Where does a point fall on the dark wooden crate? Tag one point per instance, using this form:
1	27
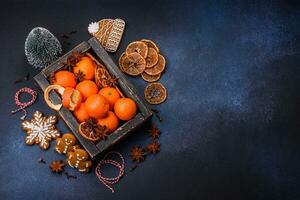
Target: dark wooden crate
97	149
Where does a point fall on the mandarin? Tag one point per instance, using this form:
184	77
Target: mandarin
71	98
86	66
111	94
96	106
110	121
65	79
87	88
81	114
125	109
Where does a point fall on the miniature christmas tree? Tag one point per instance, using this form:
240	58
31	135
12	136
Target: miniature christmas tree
41	47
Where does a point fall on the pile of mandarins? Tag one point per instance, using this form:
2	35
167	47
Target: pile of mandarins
87	100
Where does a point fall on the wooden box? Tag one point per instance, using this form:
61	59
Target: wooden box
97	149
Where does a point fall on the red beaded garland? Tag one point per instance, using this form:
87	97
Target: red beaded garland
23	105
106	180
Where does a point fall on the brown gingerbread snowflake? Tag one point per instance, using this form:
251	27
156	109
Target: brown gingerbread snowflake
40	130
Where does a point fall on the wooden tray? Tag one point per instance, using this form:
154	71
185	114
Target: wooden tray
144	113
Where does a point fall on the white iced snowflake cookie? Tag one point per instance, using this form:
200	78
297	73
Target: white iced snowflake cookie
40	130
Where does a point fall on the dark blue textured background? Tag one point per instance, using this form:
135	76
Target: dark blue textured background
230	125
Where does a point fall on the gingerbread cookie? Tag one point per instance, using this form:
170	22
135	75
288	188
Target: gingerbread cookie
79	159
108	32
40	130
66	143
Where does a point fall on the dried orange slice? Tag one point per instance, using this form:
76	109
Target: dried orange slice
152	58
121	60
151	44
158	68
150	78
155	93
100	74
92	131
134	64
137	47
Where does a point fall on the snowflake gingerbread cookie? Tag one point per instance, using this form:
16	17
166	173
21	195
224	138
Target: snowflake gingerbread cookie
40	130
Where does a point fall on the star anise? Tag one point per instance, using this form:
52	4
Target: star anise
56	166
154	132
74	58
68	65
77	56
110	80
93	131
96	130
137	154
79	76
90	124
101	132
153	147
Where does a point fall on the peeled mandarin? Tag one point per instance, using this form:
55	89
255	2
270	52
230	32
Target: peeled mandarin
71	98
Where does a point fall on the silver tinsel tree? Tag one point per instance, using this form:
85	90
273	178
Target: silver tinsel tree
41	47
